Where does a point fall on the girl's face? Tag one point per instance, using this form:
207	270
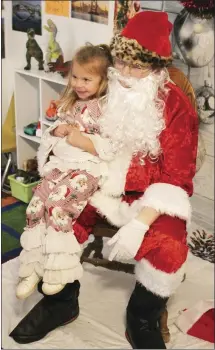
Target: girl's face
84	82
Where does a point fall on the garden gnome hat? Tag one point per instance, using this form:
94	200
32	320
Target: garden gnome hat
145	38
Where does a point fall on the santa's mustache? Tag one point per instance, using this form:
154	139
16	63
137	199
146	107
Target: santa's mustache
115	75
116	78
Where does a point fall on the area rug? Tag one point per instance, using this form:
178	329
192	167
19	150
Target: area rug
12	224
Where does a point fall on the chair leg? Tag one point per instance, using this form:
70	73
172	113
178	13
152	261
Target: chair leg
163	326
7	168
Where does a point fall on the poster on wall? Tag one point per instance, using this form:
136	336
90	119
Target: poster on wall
124	10
2	39
93	11
57	8
26	14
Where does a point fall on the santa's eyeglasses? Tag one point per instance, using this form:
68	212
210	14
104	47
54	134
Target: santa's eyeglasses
133	68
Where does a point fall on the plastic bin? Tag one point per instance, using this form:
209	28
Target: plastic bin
21	191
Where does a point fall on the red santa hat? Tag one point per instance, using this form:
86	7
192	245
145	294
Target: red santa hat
198	321
145	38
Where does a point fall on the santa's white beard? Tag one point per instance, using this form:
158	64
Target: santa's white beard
132	116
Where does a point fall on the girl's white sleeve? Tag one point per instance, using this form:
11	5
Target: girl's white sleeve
102	146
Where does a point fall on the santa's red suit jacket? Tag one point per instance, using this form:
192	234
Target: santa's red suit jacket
165	185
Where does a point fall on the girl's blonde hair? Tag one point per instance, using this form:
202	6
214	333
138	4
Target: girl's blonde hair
99	58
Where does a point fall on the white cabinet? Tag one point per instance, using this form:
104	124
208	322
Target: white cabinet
33	92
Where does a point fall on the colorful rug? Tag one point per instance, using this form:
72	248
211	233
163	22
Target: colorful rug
12	224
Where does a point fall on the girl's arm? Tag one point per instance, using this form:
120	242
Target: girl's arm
77	139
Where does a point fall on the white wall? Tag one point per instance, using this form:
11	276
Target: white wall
72	33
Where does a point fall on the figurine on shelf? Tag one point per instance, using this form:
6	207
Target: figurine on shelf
33	50
62	68
30	129
54	53
51	112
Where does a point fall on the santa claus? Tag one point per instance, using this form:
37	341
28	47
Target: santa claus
153	130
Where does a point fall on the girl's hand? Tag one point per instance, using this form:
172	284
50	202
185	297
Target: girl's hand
75	138
61	131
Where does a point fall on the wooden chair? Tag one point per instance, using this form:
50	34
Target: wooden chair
103	229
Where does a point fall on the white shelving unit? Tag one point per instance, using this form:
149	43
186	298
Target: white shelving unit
33	92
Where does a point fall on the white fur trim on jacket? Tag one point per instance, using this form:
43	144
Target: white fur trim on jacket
189	317
114	184
157	281
168	199
118	213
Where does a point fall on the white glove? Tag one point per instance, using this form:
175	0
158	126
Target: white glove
127	240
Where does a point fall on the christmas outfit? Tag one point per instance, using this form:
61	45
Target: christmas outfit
70	177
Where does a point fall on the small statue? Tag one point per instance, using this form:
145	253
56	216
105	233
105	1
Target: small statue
54	53
62	68
51	112
33	50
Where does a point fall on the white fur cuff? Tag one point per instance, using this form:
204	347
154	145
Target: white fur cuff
168	199
158	282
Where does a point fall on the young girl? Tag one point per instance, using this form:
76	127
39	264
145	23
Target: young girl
70	176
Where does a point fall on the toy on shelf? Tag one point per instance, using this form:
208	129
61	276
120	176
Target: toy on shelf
30	129
54	53
38	130
51	112
62	68
33	50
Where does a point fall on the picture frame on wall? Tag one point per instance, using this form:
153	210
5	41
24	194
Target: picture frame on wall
26	14
93	11
124	10
57	8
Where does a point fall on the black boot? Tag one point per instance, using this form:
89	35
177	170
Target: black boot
143	312
51	312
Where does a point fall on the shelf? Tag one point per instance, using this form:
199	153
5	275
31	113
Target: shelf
52	77
28	137
47	123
